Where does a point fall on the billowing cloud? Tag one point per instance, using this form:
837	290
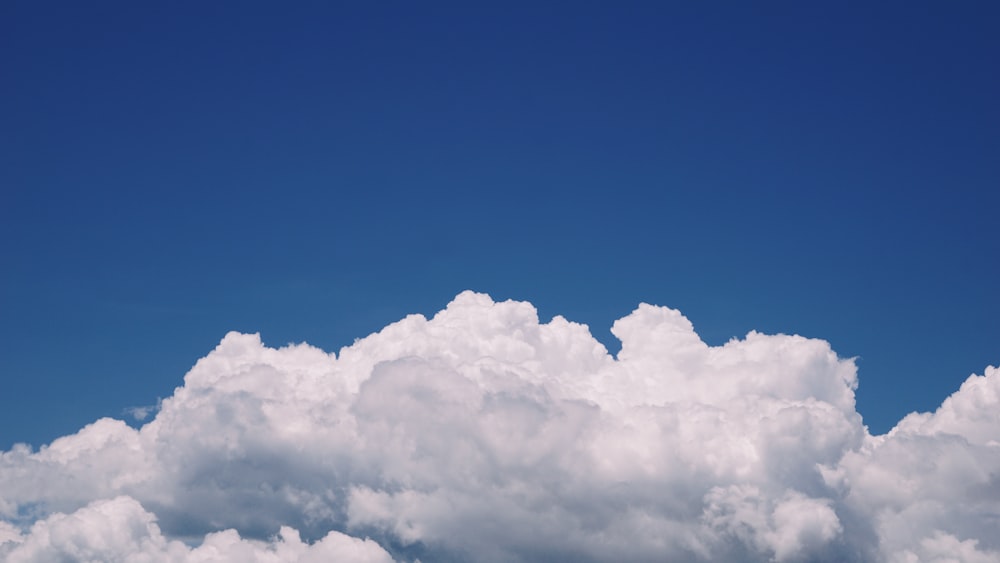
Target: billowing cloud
482	434
120	529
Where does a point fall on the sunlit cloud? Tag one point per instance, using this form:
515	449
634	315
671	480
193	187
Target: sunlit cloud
482	434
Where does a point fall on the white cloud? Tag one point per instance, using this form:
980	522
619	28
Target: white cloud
482	434
934	480
141	413
786	527
119	529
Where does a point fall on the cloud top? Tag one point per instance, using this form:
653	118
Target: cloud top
483	434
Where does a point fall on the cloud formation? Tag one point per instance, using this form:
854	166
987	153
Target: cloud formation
482	434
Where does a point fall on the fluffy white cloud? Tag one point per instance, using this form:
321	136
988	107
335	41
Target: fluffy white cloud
120	529
483	434
931	486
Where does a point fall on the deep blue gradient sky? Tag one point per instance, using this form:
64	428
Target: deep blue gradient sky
170	172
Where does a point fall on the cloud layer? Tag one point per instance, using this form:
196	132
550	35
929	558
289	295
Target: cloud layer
482	434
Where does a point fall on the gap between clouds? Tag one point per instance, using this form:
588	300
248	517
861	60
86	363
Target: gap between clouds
482	434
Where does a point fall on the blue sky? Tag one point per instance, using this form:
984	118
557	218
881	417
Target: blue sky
169	173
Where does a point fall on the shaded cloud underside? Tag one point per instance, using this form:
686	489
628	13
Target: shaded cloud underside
481	434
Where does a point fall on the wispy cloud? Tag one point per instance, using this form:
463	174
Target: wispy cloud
141	413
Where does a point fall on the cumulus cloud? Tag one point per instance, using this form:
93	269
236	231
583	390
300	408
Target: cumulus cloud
483	434
120	529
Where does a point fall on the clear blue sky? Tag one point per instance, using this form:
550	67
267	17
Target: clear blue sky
173	171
